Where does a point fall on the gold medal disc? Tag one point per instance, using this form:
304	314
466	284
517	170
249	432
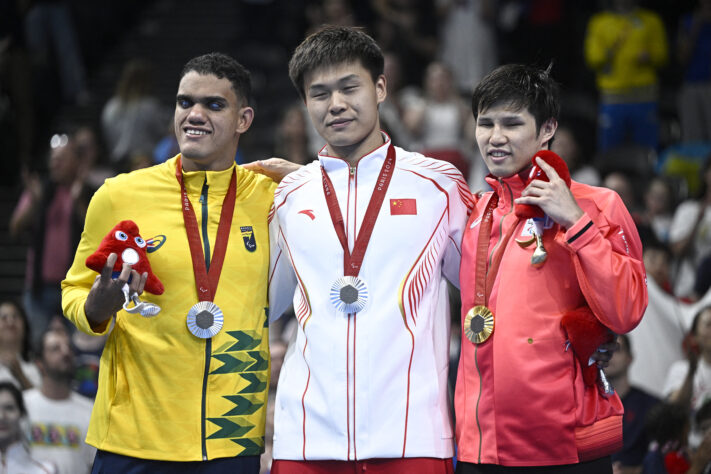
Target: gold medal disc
479	324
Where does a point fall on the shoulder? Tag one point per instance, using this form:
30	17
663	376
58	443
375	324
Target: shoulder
144	176
427	167
601	198
255	183
31	395
295	180
81	401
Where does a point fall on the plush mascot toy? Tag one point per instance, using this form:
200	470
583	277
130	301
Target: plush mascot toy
125	241
585	335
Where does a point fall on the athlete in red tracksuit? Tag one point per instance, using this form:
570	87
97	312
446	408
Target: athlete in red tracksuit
520	397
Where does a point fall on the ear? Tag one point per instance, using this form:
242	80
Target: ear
246	115
381	88
547	131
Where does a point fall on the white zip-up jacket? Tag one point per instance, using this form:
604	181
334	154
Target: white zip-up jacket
371	384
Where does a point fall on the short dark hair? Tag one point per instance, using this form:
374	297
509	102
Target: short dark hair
223	67
333	45
697	317
522	87
7	386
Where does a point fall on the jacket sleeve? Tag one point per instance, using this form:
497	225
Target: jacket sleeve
461	203
607	256
282	280
79	279
596	51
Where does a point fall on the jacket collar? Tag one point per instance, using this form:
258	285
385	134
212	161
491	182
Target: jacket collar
373	160
509	188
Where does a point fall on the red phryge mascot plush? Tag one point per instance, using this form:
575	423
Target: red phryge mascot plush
586	334
125	241
526	211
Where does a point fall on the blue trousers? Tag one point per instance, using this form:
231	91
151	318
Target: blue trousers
636	123
111	463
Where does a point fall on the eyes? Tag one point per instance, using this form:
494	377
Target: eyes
323	94
122	236
211	104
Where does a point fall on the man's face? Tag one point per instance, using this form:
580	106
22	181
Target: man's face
508	140
342	101
58	359
703	331
209	118
9	419
11	327
63	163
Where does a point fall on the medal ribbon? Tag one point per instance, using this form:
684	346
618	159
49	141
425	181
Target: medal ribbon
485	278
353	261
206	283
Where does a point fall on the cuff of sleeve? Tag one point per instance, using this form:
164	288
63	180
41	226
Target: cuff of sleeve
580	233
91	329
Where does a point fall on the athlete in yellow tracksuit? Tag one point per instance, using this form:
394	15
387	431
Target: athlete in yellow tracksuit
166	394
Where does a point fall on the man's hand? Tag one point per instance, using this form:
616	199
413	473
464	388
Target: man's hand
552	196
604	353
106	295
274	168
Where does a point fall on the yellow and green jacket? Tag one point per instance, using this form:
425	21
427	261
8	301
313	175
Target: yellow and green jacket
613	44
163	393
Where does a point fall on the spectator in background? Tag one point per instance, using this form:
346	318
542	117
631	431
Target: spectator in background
438	122
15	355
566	145
689	381
626	46
52	43
399	98
658	208
667	428
621	184
59	417
690	235
694	53
292	137
51	210
13	451
133	121
637	403
467	40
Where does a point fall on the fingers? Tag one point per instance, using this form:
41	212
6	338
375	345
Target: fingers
138	282
548	169
125	273
108	268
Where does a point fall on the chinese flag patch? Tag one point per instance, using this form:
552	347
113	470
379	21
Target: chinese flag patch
403	207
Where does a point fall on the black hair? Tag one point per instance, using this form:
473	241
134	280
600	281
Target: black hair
697	318
223	67
521	87
334	45
667	422
6	386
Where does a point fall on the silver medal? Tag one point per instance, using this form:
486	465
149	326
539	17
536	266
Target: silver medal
205	319
349	294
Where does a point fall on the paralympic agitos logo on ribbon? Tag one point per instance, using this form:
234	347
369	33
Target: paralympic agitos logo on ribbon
154	243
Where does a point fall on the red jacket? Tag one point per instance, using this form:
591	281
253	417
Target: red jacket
520	398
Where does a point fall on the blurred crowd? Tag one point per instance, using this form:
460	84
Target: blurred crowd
636	79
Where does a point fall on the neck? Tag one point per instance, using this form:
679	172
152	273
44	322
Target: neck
9	351
220	164
55	388
353	153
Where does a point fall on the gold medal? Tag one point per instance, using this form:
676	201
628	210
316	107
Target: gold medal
479	324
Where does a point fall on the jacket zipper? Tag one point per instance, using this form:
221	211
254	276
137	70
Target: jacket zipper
351	180
504	187
208	341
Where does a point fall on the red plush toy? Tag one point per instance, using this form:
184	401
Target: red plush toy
585	335
527	211
125	241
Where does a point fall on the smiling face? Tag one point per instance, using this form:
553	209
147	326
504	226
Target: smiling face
342	101
12	328
209	118
507	138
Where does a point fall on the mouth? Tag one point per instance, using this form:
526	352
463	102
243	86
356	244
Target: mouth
339	123
498	155
193	132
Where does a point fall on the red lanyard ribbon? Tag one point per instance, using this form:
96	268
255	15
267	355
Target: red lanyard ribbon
484	279
353	261
206	283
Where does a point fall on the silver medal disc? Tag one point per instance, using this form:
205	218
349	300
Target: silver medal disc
349	294
205	319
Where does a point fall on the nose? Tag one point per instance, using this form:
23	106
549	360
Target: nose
196	114
497	135
337	104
